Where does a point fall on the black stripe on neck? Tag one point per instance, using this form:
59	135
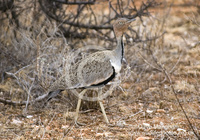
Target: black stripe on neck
122	45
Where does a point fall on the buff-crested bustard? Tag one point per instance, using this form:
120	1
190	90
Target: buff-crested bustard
95	70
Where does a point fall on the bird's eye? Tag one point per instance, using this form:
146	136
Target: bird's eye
120	22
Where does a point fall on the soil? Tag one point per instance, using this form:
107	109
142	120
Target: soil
146	108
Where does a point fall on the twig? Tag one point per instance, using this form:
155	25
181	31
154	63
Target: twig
12	102
20	103
172	87
76	2
172	70
72	23
28	98
173	90
110	5
145	60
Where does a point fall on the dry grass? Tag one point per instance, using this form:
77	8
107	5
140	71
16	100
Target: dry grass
148	107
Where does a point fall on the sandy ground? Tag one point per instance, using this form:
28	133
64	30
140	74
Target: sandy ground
148	107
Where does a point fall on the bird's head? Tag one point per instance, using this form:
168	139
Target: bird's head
121	25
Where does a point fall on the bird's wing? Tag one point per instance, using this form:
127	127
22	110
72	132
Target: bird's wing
95	70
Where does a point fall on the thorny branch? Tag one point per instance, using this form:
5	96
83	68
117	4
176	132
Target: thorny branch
70	23
70	2
20	103
172	87
162	69
73	20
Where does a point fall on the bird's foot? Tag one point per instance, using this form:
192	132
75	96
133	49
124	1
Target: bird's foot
79	124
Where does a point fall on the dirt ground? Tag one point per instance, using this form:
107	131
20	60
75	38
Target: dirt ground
147	109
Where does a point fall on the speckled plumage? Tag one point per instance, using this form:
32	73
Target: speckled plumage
95	70
86	73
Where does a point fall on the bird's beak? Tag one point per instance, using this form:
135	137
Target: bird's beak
130	20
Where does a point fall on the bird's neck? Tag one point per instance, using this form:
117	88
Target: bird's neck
119	50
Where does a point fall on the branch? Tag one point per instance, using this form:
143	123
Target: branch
96	27
20	103
86	26
75	2
186	116
6	4
173	90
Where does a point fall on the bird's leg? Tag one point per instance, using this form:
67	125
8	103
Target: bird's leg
78	107
103	111
102	107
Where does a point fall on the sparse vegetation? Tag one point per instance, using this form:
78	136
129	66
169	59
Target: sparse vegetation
159	94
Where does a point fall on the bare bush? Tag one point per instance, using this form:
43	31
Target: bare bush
160	81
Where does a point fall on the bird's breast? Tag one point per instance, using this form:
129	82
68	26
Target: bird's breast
116	65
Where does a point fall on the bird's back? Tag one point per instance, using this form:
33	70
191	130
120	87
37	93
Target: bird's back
91	71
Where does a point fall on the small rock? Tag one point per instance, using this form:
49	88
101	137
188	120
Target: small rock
107	134
29	116
180	129
65	126
149	111
99	134
161	111
16	122
146	124
144	138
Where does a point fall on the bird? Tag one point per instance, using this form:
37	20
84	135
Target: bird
95	70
